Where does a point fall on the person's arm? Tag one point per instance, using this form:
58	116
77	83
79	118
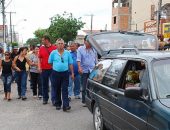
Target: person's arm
72	71
0	64
29	62
14	64
80	70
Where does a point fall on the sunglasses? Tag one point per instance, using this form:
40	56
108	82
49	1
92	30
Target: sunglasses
62	60
6	54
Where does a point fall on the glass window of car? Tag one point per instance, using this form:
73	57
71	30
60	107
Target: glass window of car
162	77
113	71
99	70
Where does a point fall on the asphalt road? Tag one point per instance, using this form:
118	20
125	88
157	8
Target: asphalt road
33	115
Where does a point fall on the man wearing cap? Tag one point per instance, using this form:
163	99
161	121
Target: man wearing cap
61	61
86	60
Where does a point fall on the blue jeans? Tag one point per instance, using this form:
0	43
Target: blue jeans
21	79
46	76
61	81
84	78
76	82
7	79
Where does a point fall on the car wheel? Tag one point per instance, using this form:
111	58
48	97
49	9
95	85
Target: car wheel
98	118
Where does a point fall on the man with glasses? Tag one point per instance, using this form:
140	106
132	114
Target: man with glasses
61	61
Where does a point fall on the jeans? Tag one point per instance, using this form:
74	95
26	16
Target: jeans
7	79
76	82
61	81
84	78
21	78
46	76
36	80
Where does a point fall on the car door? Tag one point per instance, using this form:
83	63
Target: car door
109	93
134	112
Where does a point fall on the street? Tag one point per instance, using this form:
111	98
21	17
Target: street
33	115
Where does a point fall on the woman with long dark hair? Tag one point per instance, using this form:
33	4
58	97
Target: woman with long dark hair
6	66
20	65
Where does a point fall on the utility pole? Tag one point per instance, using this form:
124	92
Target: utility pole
91	25
159	16
11	33
3	17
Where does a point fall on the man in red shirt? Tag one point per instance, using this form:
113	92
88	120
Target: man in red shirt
46	69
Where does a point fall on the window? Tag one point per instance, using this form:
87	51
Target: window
99	70
113	71
114	20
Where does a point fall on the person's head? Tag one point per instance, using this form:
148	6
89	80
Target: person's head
87	44
36	49
73	46
60	44
7	55
15	49
46	40
22	51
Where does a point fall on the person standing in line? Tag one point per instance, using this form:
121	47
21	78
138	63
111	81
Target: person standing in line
45	68
19	64
13	55
61	61
86	60
6	66
35	74
76	81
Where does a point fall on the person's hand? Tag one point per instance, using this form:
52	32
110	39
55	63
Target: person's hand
39	70
80	70
72	76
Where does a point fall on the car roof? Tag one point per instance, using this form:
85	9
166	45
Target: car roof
142	55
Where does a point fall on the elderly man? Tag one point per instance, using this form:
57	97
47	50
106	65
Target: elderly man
61	61
86	59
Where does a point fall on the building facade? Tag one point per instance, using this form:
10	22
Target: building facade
138	15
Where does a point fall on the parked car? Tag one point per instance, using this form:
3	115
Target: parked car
129	87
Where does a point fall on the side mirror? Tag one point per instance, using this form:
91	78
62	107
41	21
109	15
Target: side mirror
134	93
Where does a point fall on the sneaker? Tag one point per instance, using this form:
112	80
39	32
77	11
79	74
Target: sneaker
66	108
58	107
34	96
77	97
40	96
24	98
69	98
19	97
45	102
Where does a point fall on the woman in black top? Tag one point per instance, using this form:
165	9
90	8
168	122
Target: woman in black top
6	66
19	64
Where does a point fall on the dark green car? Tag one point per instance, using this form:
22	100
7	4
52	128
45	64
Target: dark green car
129	89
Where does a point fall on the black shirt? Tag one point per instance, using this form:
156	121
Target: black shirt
6	67
21	64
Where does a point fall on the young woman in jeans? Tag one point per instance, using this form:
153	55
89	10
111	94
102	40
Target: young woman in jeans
35	74
6	66
20	67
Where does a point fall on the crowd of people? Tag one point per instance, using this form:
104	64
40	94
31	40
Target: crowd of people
51	68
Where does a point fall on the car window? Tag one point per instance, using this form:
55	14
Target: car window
99	70
162	77
113	71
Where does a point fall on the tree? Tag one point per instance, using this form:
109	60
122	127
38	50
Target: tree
14	44
33	41
64	26
40	33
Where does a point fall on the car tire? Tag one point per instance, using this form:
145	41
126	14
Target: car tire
98	118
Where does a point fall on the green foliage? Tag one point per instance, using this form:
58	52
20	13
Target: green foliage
64	26
40	33
14	44
33	41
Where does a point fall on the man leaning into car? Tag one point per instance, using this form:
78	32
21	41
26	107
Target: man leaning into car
86	59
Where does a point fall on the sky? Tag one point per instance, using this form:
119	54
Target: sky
35	14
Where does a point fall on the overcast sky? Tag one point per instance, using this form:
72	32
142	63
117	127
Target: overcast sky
38	12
